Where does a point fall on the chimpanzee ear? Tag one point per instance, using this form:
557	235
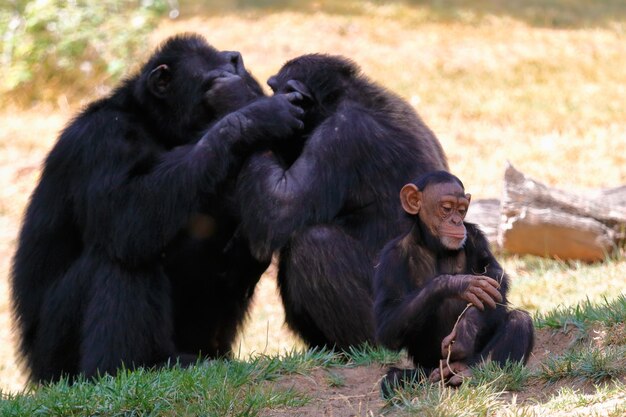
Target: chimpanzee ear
411	199
469	197
159	80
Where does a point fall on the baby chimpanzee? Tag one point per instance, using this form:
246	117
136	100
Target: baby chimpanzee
427	277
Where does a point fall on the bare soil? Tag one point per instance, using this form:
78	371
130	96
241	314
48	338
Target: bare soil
357	394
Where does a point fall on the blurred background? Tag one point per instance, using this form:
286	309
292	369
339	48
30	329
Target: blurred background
539	83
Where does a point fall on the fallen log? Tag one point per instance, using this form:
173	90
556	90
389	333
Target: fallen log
539	220
486	214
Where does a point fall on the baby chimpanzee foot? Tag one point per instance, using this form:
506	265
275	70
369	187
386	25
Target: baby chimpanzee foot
396	379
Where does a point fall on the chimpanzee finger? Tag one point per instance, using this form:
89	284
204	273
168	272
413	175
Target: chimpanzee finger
434	376
448	370
489	280
493	292
457	380
471	298
486	298
446	344
462	372
294	96
296	110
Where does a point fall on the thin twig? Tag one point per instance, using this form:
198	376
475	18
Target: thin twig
458	319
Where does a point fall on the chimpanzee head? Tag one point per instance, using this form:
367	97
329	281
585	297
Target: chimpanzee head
439	202
321	79
187	85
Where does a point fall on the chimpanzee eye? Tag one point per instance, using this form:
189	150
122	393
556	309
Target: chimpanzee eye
446	210
462	211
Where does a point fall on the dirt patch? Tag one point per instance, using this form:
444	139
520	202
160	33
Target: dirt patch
603	336
336	392
550	342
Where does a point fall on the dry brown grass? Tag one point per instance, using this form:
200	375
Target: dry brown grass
548	100
492	84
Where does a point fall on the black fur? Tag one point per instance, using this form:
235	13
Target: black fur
417	304
331	208
128	251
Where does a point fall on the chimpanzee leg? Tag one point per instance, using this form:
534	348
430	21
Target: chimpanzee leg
465	334
128	319
513	340
325	282
397	378
211	289
56	341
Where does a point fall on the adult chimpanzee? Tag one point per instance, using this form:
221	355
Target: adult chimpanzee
128	252
427	276
328	206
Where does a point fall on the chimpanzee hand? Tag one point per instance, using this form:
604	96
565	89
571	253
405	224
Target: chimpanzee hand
453	373
267	118
460	343
274	117
447	344
476	289
227	92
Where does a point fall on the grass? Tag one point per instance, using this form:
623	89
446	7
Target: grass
607	400
608	312
601	363
545	98
426	399
245	387
538	83
217	388
588	363
541	285
303	361
366	355
512	376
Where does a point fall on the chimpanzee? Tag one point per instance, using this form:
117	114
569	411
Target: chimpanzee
128	252
327	206
425	280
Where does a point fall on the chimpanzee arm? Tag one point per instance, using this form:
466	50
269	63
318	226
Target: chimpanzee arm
407	299
481	261
474	322
277	200
394	290
137	195
402	306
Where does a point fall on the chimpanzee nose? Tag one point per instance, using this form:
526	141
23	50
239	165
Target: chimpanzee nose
235	59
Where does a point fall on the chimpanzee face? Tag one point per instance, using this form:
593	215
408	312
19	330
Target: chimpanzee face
195	85
444	207
226	85
441	208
